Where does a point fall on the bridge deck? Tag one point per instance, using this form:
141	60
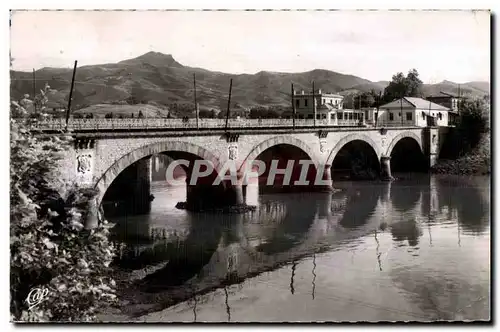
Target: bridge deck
203	125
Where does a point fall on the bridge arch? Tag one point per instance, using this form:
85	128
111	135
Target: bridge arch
279	140
349	138
107	178
406	134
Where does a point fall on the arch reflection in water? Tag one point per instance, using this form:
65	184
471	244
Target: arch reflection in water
218	251
362	199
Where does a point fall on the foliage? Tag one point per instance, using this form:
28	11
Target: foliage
401	86
207	114
473	122
49	247
365	100
261	112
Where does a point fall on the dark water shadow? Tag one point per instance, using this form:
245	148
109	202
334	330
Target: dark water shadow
468	196
361	202
291	226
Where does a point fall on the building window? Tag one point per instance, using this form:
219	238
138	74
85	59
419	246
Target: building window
324	101
409	116
323	116
309	116
305	102
297	103
350	116
332	116
391	116
423	115
440	115
340	116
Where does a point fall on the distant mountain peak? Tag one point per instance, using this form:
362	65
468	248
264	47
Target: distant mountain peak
156	59
448	82
153	54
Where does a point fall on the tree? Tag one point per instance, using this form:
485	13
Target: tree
473	122
401	86
413	84
366	99
32	108
48	245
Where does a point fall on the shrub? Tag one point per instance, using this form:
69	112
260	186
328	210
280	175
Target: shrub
473	123
49	247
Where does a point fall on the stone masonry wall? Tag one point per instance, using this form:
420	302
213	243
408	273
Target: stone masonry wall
101	162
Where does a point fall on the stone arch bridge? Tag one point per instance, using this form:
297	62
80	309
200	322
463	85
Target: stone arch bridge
100	155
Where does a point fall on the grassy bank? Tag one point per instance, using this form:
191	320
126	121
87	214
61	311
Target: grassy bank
476	162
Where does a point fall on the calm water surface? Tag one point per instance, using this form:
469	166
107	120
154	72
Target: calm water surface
415	249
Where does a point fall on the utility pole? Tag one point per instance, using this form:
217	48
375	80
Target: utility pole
71	94
229	102
401	110
378	107
429	115
293	107
196	103
34	90
314	105
459	99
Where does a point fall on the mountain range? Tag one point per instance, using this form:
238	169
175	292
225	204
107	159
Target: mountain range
157	78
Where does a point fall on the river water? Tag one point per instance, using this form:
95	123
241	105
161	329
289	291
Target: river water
414	249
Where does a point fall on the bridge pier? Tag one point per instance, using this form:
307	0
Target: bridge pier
234	194
244	192
385	166
204	195
325	174
142	187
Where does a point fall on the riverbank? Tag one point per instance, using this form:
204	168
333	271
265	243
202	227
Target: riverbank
477	162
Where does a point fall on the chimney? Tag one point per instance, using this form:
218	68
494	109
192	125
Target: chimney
302	91
319	91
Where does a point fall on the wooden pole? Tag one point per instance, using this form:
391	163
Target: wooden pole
196	103
378	107
71	94
401	111
229	102
429	116
314	105
293	108
34	90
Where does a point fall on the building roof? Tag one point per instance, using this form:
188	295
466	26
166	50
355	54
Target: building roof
425	104
418	103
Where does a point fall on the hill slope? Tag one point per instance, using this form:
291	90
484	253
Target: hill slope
157	77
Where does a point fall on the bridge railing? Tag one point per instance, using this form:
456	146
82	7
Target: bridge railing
161	123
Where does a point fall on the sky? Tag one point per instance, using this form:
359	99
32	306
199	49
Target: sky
441	45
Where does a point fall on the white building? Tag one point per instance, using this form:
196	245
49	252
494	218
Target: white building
411	111
326	104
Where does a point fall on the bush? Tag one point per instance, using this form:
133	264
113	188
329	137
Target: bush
49	247
473	123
